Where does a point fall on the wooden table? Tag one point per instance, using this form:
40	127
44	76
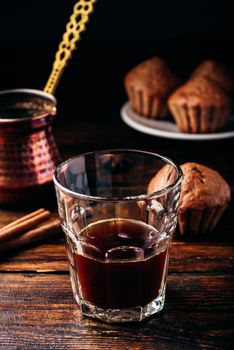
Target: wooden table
37	309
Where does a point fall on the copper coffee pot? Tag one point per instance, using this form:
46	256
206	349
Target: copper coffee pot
28	153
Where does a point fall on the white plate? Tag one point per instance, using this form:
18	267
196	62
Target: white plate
169	129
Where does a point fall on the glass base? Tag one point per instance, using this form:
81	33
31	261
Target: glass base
134	314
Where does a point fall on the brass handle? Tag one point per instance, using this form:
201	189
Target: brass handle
74	27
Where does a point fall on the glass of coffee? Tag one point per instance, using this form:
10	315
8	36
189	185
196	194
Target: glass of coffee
118	224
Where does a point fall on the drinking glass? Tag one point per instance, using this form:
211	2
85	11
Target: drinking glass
118	230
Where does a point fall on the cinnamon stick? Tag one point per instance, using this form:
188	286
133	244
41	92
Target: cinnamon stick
23	218
48	229
23	224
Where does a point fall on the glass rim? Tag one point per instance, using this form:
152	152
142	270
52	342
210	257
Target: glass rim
146	196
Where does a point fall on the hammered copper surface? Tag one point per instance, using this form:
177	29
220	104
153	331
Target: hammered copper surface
28	157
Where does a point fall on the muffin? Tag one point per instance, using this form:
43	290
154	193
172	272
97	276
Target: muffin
204	197
148	86
165	177
215	72
200	106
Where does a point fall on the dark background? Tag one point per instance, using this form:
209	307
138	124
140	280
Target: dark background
120	34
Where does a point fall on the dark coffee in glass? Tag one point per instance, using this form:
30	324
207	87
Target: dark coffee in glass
118	236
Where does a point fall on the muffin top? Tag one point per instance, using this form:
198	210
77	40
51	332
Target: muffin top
153	77
201	187
200	91
215	72
165	177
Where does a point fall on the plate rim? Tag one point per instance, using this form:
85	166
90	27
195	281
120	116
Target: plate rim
169	134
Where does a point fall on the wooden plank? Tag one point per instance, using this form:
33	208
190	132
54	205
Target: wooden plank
185	257
201	257
46	257
38	312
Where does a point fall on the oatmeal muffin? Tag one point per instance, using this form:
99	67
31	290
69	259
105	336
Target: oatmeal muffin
148	86
200	106
204	197
215	72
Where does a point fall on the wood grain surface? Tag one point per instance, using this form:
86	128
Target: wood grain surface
37	309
